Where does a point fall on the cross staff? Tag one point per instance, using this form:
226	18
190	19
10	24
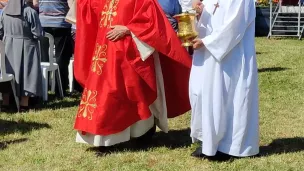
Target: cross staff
217	5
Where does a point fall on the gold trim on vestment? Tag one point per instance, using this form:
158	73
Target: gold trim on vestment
99	58
109	11
87	104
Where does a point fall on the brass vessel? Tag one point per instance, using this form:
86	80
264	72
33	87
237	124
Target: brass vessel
186	28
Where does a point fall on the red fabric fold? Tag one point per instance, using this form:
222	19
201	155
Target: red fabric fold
87	29
150	25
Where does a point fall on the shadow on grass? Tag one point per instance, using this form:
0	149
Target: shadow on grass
259	53
53	103
9	127
277	147
56	102
4	144
284	145
172	140
273	69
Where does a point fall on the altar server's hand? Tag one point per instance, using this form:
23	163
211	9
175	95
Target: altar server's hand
1	6
117	32
198	6
197	43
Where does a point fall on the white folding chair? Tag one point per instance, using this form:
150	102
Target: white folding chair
71	74
52	67
4	77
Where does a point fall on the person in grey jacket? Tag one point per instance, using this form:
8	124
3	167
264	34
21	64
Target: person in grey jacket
21	29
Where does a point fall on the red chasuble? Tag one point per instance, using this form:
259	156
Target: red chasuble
119	86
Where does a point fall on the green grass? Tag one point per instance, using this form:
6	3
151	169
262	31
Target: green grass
45	139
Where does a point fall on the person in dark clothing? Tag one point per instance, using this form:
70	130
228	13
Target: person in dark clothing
77	86
52	15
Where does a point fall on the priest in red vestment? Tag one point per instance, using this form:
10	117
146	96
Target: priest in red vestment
132	67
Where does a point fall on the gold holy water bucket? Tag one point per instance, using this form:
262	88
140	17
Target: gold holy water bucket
186	28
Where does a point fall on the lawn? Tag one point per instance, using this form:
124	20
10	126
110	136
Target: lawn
45	139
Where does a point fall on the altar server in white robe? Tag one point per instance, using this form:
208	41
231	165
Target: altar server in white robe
223	81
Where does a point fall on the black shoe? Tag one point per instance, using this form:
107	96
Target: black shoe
219	156
222	157
103	151
198	153
5	108
147	136
24	109
34	102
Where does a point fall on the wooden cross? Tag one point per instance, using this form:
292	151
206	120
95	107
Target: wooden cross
217	5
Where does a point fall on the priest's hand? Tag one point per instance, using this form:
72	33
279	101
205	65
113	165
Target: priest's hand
197	43
118	32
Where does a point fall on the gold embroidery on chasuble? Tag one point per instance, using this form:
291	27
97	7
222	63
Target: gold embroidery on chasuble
87	104
99	59
109	11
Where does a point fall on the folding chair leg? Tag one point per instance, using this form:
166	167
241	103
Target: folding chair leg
15	94
71	76
45	84
58	78
53	81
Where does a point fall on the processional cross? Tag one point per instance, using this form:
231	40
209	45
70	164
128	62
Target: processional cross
217	5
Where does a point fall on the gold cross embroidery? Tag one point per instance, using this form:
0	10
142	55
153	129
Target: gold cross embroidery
109	11
99	59
87	104
216	6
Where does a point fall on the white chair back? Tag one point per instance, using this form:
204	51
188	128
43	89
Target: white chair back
51	48
2	60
